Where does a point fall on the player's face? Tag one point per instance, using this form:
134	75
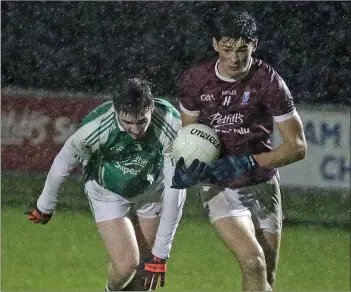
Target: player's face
135	126
234	56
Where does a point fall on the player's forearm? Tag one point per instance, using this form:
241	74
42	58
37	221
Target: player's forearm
173	202
62	166
285	154
187	119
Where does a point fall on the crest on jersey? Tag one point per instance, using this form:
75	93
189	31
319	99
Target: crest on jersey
246	97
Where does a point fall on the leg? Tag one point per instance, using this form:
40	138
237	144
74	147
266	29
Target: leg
146	224
268	216
121	243
145	229
234	224
117	232
239	236
270	243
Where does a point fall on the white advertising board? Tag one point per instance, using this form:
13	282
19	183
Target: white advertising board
328	158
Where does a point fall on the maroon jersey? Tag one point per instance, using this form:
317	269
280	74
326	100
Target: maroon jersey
241	112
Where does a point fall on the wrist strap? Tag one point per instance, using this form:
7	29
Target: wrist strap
155	268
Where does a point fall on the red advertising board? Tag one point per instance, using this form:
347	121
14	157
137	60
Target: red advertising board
33	130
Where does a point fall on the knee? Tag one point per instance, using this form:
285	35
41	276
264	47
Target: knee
254	264
126	268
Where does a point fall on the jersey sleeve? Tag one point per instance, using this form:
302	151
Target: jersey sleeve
77	149
172	199
92	133
172	209
278	100
167	153
168	121
63	164
189	95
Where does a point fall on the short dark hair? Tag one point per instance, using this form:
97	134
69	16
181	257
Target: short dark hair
232	24
133	97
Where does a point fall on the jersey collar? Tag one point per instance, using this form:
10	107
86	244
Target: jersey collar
225	78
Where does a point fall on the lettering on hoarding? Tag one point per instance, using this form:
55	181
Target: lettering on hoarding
328	156
64	128
320	134
32	126
335	168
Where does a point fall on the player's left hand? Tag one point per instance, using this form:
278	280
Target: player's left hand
153	272
184	177
36	216
231	167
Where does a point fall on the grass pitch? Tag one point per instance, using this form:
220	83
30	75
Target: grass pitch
67	254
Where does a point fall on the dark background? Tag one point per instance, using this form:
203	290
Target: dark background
89	46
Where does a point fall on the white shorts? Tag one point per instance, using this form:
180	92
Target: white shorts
263	202
106	205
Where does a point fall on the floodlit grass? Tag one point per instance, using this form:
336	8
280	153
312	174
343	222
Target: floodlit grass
67	254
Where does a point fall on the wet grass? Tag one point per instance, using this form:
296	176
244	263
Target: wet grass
67	254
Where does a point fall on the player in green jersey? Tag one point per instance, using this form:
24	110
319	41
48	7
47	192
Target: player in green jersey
124	147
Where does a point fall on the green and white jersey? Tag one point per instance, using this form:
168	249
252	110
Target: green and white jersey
123	167
114	159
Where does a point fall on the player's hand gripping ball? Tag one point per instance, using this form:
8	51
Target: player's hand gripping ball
185	177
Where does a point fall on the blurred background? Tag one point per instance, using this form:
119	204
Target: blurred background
59	60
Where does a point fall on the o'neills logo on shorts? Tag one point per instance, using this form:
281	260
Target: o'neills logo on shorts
213	140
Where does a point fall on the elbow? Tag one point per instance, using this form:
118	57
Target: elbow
301	150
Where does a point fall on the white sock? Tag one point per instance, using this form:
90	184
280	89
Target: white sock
107	288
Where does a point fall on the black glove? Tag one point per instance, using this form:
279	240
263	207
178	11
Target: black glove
184	178
36	216
231	167
153	270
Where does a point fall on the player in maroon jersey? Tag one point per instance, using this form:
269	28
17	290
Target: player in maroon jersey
240	97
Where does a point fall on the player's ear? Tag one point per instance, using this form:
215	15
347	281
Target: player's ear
215	44
255	44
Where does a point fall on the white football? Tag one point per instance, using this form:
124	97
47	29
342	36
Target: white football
196	141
